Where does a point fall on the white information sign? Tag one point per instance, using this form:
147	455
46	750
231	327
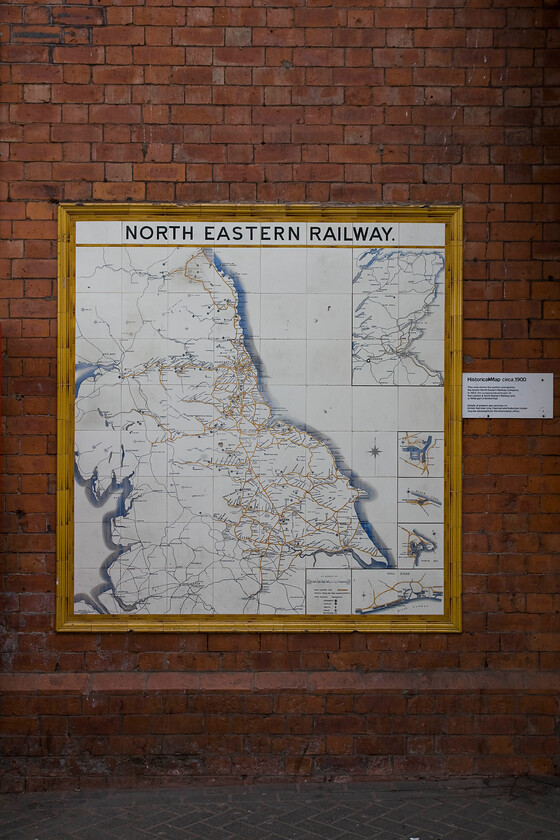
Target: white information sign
507	394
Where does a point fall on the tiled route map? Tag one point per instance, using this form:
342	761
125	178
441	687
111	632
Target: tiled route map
259	418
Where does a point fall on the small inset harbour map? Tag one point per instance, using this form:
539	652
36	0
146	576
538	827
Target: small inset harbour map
399	592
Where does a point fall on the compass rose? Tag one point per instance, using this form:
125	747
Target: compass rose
374	451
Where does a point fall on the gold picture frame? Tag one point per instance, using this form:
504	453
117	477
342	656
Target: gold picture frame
101	228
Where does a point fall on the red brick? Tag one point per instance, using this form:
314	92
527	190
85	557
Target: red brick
78	55
439	38
245	56
33	54
199	36
131	35
159	171
77	16
248	16
114	113
35	113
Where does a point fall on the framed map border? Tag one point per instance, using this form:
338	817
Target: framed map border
66	619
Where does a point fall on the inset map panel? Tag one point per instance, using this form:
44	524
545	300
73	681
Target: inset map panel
398	312
398	592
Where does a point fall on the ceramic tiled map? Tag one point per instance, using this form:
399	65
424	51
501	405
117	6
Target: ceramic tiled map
259	419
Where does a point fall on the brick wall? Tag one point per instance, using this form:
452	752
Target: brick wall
386	101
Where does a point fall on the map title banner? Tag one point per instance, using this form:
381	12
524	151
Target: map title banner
263	234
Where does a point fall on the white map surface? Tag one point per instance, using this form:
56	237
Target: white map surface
237	430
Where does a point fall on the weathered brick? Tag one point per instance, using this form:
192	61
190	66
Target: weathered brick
435	104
